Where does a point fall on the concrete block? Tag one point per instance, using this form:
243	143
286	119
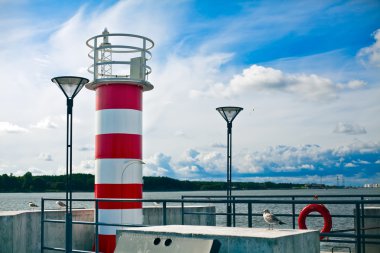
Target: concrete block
372	226
20	231
153	215
238	240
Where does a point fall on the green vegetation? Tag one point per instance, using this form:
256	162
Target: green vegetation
85	182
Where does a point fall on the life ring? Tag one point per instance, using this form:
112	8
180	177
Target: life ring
315	208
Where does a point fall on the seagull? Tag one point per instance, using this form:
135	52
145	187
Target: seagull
60	204
32	205
271	219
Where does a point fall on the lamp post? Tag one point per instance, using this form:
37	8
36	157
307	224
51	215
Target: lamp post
70	86
229	113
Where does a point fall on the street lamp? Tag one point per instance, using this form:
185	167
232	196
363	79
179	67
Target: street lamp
70	86
229	113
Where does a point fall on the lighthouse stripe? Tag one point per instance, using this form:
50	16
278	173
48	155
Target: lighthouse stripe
118	191
118	171
118	146
107	243
119	205
119	121
131	216
119	96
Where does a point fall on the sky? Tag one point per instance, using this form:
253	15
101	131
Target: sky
305	72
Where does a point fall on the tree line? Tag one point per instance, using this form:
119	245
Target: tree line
85	183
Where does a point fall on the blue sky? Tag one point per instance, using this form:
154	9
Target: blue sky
309	68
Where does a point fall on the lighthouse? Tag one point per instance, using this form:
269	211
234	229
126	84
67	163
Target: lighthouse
120	76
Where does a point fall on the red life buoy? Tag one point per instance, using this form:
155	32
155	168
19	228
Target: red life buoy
315	208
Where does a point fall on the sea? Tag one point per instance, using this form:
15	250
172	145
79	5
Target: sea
19	201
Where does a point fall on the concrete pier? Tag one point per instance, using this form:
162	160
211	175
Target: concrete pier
20	231
372	227
232	239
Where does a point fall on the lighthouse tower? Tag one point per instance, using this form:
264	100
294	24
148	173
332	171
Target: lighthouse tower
120	76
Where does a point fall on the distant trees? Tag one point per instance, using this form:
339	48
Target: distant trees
85	182
30	183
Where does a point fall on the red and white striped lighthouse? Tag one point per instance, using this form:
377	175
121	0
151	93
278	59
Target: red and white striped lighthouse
120	77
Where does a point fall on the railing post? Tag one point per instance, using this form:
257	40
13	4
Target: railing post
164	213
96	226
182	211
42	223
234	212
358	228
249	214
362	223
293	213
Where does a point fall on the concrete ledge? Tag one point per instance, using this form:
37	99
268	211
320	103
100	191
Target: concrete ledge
238	240
20	231
372	226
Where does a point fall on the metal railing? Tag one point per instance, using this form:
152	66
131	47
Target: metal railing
358	237
120	57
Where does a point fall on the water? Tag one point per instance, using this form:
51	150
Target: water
19	201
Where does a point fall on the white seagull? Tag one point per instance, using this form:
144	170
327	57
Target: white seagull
271	219
32	205
60	204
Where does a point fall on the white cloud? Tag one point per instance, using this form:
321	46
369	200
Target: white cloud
8	127
377	162
158	165
371	55
33	170
362	162
87	167
349	165
219	145
45	157
349	128
292	160
356	84
47	123
358	146
86	147
265	79
179	133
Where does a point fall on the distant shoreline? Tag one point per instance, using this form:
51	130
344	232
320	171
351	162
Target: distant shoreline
85	183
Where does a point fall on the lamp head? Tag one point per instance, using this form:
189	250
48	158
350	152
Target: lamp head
70	85
229	113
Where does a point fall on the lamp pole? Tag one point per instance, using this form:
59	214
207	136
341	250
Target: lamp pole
70	86
229	113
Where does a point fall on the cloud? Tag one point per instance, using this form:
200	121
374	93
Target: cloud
86	166
179	133
86	147
356	84
266	79
280	161
158	165
371	55
349	165
8	127
45	157
47	123
349	128
35	172
219	145
352	85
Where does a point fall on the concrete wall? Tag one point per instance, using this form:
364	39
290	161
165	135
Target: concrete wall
20	231
372	223
232	239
